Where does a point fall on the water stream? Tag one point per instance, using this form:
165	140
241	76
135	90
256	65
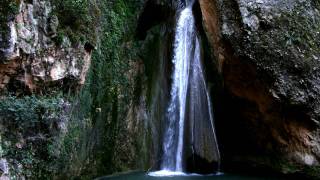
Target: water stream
189	109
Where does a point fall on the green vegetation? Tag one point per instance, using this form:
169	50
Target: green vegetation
97	126
89	144
78	19
313	172
28	112
29	131
8	9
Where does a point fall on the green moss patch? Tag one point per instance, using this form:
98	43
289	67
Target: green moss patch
78	20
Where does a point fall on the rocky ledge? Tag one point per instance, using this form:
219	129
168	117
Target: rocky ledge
31	58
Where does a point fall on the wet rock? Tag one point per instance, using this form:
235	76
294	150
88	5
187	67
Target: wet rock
196	164
267	54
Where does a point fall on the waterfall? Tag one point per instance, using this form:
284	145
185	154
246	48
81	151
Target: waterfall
185	34
189	130
189	109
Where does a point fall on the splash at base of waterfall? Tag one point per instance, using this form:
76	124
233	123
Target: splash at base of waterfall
164	173
167	173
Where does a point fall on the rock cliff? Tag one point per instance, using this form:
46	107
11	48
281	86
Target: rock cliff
267	53
262	64
31	58
37	66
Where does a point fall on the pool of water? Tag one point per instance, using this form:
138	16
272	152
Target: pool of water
155	176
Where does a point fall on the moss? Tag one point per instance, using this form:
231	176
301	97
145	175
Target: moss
294	39
287	167
29	132
310	172
92	145
77	20
25	113
313	172
8	9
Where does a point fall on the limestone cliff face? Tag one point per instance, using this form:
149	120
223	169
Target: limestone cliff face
268	57
34	63
30	57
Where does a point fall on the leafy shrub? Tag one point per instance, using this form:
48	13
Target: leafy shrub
29	112
29	136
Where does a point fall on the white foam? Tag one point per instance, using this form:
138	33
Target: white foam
168	173
163	173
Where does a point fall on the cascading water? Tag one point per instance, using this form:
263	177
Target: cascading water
172	148
189	108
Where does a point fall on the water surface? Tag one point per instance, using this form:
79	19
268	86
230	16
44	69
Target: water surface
144	176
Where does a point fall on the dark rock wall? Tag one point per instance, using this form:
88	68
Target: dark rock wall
156	55
267	53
